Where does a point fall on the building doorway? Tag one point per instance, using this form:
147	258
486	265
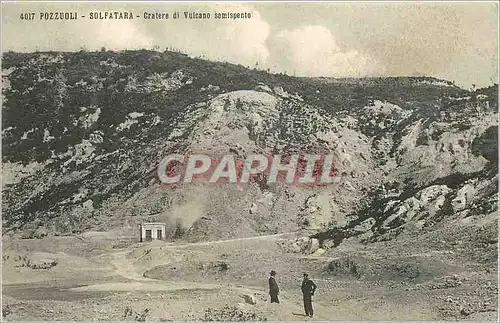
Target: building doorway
150	231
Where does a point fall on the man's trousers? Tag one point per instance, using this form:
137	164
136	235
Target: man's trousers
308	308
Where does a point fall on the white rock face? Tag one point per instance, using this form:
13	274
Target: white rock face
88	120
253	106
313	246
267	199
319	210
234	118
253	208
319	253
449	151
46	136
263	88
126	124
388	109
159	82
439	201
26	133
304	245
80	153
408	209
279	91
88	204
135	115
210	88
13	172
294	247
249	299
463	198
436	83
365	225
131	119
431	193
97	137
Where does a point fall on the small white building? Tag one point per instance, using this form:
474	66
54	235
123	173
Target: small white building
152	231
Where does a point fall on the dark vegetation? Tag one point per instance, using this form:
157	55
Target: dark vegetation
375	206
55	92
55	100
486	145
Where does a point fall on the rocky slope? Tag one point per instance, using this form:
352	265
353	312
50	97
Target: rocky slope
83	132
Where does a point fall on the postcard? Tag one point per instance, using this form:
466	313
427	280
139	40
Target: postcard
249	161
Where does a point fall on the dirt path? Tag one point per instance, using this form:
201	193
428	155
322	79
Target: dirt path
270	237
290	308
124	267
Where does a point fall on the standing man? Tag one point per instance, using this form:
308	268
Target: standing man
273	288
308	289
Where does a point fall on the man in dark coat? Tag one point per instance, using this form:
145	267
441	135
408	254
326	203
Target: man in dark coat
308	289
273	288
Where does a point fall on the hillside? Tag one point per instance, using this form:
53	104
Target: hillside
410	232
82	133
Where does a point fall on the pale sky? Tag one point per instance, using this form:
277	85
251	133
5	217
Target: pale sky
454	41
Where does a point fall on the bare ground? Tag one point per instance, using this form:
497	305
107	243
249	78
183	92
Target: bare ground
180	281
